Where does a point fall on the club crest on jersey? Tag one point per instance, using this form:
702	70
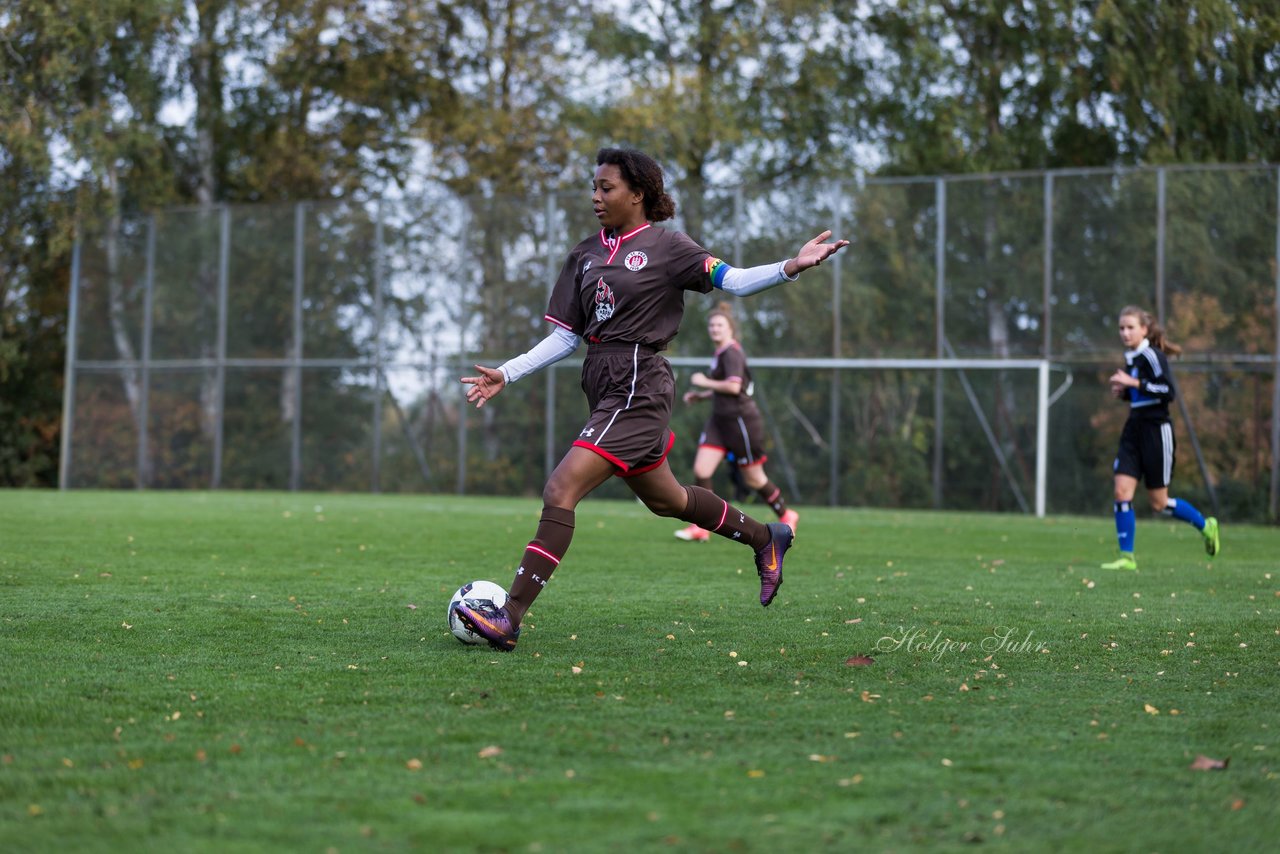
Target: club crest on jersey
635	261
604	301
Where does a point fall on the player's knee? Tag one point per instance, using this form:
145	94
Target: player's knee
558	494
1158	504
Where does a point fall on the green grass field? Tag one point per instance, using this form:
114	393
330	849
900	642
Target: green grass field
256	672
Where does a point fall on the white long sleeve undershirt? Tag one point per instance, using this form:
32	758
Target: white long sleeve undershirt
752	280
556	346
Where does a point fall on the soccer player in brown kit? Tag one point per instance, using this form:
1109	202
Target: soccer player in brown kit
622	291
735	425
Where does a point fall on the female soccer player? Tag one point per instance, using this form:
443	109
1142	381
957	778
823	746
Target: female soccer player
734	426
1146	445
622	291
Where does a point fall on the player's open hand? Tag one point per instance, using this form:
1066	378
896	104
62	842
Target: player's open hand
484	387
1122	379
815	252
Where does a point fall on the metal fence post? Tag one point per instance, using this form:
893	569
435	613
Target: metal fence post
220	355
549	429
1274	501
940	332
1046	311
1160	226
837	298
144	385
463	364
1042	435
379	385
299	256
69	372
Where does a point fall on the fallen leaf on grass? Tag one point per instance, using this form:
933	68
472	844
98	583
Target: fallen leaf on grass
1150	709
1205	763
490	752
859	661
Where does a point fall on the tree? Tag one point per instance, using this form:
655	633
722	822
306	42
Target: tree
1190	81
728	92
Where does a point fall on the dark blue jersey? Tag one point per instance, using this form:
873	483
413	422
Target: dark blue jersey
1150	400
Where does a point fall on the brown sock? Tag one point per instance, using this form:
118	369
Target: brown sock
772	495
708	510
540	559
705	483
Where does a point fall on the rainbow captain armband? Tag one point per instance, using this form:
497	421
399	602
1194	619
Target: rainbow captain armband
746	282
716	269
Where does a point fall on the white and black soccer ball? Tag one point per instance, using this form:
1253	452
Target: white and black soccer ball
479	595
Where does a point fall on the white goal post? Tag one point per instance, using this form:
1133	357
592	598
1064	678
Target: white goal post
1043	397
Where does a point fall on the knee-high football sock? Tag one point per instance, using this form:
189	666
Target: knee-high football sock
1126	525
1180	508
540	559
705	483
772	496
708	510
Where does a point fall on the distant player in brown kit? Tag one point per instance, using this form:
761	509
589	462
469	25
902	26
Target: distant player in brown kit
734	426
622	291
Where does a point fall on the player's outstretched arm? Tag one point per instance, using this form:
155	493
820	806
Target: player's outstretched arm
753	280
484	387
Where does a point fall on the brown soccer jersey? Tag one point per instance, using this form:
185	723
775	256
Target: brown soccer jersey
629	288
730	363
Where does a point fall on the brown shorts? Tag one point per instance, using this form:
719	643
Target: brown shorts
630	389
741	435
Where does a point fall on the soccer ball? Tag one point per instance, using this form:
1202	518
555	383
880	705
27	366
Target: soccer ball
480	595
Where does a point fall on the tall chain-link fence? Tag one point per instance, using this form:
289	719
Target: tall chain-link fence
954	356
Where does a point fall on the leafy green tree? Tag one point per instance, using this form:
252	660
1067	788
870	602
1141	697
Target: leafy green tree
1189	81
727	92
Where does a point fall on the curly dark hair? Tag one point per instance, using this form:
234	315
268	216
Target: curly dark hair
641	172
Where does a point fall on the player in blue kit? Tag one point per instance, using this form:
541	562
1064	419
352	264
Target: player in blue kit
622	291
1147	445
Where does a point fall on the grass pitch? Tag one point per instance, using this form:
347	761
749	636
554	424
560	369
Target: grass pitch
256	672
